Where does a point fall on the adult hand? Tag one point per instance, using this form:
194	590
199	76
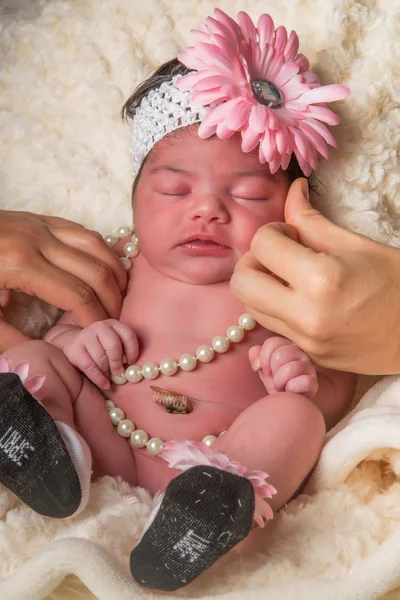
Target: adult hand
334	293
62	263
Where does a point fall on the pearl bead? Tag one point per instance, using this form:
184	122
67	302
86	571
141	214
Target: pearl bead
247	322
235	334
116	415
187	362
150	370
139	438
126	263
155	446
111	240
125	428
220	344
118	379
124	231
133	374
168	366
222	433
135	240
110	404
209	440
131	250
205	354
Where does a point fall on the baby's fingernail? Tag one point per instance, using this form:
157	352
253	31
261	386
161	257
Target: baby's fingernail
106	385
124	359
255	364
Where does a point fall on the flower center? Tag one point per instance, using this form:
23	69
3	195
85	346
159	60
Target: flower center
267	93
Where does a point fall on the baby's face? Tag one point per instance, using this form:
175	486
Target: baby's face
199	202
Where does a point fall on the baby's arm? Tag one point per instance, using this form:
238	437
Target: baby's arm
97	350
285	367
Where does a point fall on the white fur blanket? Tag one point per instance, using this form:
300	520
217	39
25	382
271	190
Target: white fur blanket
66	68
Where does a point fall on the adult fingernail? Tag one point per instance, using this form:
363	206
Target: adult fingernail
306	191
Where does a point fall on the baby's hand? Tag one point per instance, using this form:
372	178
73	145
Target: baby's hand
101	349
282	366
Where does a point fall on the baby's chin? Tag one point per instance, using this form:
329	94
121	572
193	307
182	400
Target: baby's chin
203	275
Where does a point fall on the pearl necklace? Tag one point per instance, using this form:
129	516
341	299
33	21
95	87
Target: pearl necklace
187	362
139	438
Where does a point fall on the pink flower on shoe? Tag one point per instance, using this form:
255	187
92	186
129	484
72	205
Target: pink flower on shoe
258	84
34	384
184	454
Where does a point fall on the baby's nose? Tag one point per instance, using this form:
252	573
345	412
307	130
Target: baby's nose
209	207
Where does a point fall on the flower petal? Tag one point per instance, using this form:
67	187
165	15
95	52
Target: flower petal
287	72
302	62
322	130
247	25
223	131
238	116
229	23
22	370
282	137
258	118
324	114
326	93
250	139
315	138
34	384
206	131
5	365
265	28
280	39
292	47
207	96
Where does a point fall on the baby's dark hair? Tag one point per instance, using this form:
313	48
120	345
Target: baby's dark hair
165	73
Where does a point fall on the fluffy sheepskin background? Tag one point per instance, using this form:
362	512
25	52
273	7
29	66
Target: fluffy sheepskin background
66	68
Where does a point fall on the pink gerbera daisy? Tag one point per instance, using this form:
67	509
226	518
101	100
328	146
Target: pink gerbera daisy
34	385
184	454
257	83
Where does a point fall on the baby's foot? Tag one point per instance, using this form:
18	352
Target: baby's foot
44	463
204	513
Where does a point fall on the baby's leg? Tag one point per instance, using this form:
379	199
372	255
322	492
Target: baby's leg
206	510
42	457
282	435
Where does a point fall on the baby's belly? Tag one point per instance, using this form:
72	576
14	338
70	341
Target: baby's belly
217	394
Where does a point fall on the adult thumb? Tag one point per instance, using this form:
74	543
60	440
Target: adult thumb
314	230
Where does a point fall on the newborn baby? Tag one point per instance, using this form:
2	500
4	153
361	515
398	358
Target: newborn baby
173	374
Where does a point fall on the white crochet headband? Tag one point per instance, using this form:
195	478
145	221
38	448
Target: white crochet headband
161	111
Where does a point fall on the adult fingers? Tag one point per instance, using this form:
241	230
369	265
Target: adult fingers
280	254
92	243
261	291
314	230
59	222
60	288
96	274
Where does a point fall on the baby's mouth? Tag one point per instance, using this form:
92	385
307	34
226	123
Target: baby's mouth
206	246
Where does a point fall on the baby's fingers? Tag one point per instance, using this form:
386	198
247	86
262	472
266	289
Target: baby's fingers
269	347
93	372
112	346
129	341
254	357
306	385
